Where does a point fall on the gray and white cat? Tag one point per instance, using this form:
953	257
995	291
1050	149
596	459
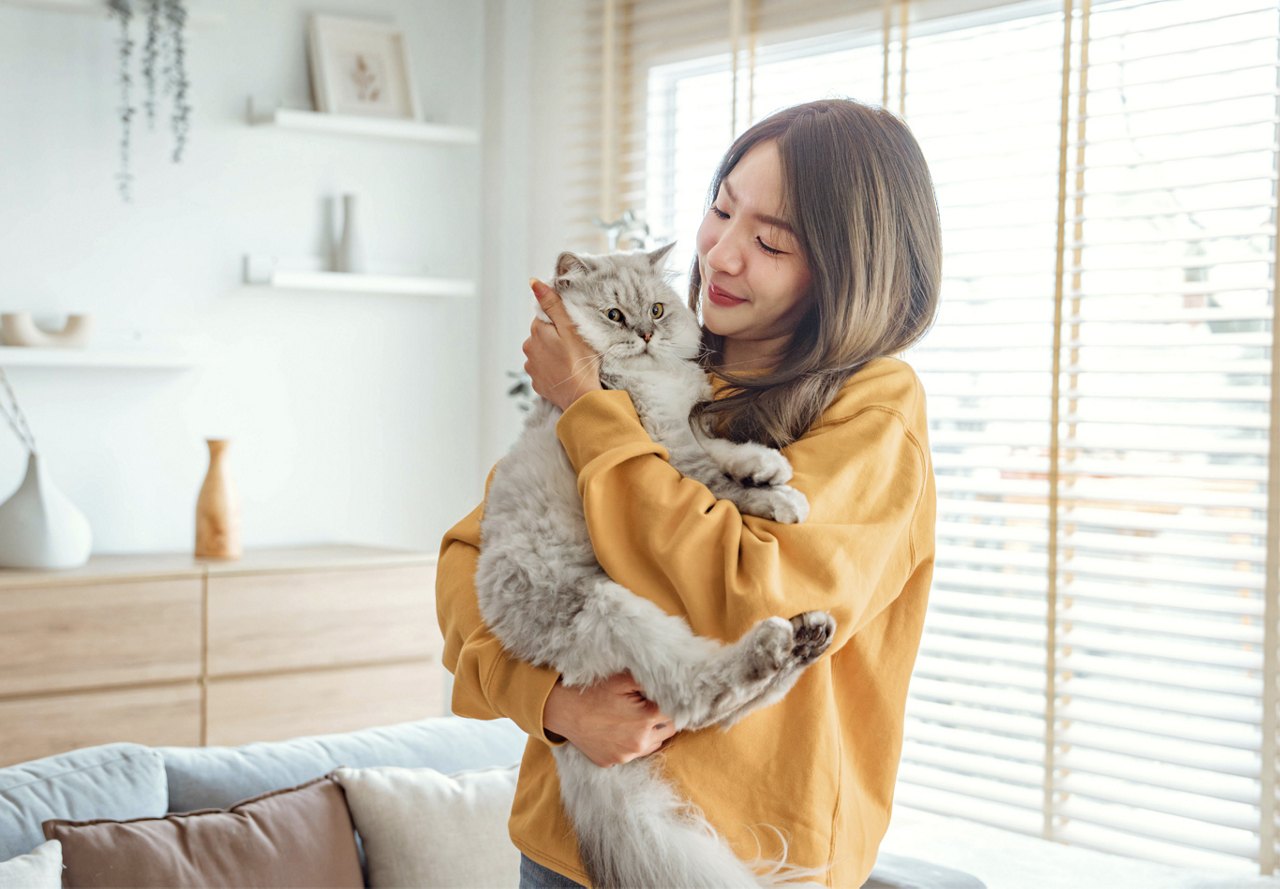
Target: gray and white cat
546	598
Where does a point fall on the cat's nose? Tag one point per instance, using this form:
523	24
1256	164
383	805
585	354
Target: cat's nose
646	336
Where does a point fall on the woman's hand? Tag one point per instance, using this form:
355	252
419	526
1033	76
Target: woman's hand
612	722
561	366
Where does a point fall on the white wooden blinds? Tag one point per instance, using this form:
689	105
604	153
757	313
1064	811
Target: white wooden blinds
1099	661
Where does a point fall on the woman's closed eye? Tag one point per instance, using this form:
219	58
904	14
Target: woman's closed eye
771	251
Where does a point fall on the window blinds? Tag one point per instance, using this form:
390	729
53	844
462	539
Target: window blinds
1099	660
983	101
1163	431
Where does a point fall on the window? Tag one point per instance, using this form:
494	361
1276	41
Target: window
1099	661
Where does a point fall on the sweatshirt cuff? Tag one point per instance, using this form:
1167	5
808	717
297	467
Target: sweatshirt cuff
599	422
524	689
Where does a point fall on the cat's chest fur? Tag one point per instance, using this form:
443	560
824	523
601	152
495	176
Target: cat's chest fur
663	390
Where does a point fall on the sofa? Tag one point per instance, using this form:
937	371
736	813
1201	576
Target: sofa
429	794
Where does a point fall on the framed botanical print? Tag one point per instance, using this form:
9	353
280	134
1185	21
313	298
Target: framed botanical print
361	67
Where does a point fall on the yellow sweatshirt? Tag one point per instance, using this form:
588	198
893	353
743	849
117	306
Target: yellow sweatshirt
820	765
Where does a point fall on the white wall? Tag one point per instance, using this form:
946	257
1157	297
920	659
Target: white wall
506	302
530	75
353	417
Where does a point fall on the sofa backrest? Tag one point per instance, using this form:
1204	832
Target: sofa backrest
117	781
124	781
216	777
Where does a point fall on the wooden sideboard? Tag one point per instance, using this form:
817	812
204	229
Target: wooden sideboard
169	649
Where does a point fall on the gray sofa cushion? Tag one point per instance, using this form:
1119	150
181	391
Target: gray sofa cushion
216	777
900	872
117	781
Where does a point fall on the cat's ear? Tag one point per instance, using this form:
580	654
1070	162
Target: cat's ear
570	262
657	257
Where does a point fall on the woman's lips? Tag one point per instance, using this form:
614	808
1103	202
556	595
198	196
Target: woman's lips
720	298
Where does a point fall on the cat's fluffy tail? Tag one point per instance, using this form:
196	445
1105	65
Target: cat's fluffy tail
635	833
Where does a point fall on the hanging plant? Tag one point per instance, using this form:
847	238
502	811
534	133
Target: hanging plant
165	46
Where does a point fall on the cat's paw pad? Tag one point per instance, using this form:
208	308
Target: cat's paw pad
772	644
757	466
812	634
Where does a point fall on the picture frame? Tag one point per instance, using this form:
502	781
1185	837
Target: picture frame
362	68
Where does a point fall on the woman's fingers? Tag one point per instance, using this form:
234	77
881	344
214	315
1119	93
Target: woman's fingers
551	303
560	365
611	722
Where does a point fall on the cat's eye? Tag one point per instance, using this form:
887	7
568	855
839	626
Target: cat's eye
657	310
615	316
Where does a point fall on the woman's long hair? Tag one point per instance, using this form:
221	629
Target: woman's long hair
858	193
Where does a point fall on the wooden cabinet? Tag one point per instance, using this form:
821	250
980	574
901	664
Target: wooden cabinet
168	649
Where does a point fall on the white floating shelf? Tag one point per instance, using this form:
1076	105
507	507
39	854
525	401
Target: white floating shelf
22	356
196	18
353	125
263	273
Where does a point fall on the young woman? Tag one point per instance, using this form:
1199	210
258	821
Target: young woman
818	260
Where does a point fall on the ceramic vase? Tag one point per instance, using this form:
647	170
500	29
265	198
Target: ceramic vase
350	253
40	527
218	508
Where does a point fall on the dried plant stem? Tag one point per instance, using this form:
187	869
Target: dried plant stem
175	14
14	415
123	10
165	47
150	53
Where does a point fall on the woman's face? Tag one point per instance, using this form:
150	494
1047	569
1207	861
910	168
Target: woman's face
755	281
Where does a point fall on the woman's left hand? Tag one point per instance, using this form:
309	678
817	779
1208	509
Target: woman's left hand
561	366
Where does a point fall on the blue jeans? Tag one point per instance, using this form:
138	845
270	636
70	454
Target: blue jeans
535	876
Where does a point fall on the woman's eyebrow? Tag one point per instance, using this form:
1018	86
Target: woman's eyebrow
763	217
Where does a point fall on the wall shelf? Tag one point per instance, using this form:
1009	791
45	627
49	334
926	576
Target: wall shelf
141	359
353	125
196	19
263	273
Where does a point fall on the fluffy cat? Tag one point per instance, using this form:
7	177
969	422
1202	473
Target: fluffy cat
546	598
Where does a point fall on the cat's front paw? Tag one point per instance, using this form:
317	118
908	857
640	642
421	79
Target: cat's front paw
757	466
770	649
787	506
812	633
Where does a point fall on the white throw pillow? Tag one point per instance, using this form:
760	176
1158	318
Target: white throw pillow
424	828
41	868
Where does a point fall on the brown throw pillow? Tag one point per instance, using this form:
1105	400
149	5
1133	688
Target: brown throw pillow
300	837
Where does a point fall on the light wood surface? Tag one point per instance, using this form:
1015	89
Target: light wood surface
319	619
152	566
169	649
107	569
91	636
270	708
34	727
317	558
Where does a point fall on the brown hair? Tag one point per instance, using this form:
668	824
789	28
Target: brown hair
858	193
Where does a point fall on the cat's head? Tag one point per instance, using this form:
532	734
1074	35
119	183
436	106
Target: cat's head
623	306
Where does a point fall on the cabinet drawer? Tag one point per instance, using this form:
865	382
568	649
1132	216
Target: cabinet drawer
270	708
34	727
64	637
293	620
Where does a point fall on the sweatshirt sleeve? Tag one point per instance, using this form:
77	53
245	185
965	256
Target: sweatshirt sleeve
488	682
668	538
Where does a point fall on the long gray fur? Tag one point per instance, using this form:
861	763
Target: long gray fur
546	598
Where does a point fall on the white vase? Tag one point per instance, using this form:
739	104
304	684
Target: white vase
350	253
40	527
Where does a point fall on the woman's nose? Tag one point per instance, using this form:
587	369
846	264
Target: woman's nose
724	255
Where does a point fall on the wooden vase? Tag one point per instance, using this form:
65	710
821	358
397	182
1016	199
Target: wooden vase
218	508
